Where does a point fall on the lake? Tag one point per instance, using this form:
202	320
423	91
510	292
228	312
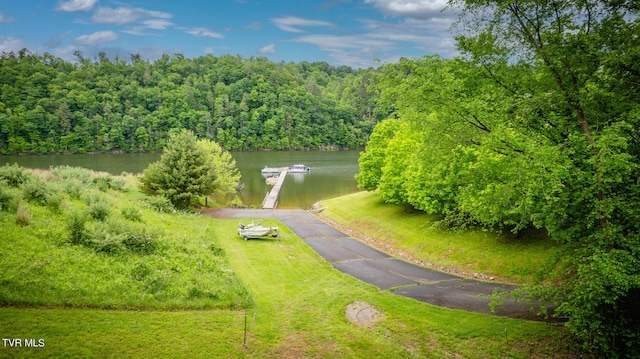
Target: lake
332	173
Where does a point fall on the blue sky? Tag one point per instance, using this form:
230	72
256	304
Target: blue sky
341	32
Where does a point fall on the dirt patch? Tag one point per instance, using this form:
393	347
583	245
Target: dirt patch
363	313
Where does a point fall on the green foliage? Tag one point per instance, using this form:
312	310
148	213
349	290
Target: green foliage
75	222
54	200
72	174
98	209
532	128
132	214
115	238
373	159
48	105
36	190
7	198
105	182
160	204
188	169
14	175
23	215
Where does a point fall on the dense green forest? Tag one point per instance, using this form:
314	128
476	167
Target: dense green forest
537	124
48	105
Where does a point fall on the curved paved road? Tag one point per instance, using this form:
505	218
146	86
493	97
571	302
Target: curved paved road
370	265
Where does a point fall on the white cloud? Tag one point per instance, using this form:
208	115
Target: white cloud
125	15
294	23
157	24
267	49
8	44
385	40
208	50
4	19
202	31
76	5
99	37
416	9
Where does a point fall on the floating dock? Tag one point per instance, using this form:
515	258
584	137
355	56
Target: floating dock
271	200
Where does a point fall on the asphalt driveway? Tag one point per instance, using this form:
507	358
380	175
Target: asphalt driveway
372	266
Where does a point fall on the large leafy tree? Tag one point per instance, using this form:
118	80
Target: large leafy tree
537	125
189	168
582	94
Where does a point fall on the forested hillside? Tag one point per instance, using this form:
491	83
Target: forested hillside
48	105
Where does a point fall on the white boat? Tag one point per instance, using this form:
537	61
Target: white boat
256	231
300	168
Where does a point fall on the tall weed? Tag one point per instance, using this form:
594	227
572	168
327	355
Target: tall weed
23	215
75	224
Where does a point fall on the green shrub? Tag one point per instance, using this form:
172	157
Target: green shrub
73	174
35	190
103	182
75	223
101	238
54	201
107	182
132	213
118	184
99	210
140	242
160	204
6	197
74	188
14	174
23	216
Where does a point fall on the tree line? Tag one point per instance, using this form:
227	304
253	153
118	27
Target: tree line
537	124
48	105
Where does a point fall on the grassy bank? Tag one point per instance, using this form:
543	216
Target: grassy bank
72	237
187	291
529	257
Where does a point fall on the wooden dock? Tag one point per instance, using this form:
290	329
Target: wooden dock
271	200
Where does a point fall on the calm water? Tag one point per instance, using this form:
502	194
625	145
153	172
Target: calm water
332	173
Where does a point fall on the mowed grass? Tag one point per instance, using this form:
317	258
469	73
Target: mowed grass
529	257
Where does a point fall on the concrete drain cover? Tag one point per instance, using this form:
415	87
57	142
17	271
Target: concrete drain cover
363	313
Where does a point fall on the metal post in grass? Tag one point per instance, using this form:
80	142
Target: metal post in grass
246	336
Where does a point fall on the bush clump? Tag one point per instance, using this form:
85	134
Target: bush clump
75	224
14	174
132	214
35	190
72	174
160	204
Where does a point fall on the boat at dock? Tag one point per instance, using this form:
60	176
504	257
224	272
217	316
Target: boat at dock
299	168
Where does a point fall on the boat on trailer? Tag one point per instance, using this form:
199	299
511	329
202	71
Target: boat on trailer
256	231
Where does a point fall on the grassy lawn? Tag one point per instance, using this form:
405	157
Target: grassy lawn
532	256
299	307
188	290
